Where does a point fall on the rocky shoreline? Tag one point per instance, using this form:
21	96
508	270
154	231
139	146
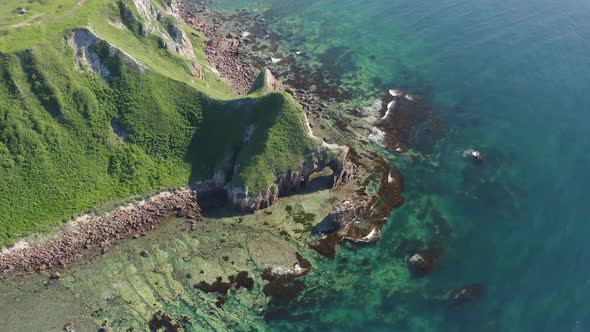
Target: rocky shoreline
229	54
394	120
360	218
223	53
125	223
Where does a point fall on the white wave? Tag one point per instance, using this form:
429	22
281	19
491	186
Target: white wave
390	108
395	92
391	105
390	179
377	135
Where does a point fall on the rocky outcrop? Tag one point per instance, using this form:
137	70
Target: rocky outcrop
466	294
423	262
362	217
265	83
402	120
333	156
284	284
92	53
164	24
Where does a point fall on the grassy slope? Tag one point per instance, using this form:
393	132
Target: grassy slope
58	155
279	141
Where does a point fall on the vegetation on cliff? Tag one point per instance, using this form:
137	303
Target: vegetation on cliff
101	100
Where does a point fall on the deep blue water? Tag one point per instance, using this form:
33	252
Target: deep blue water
512	79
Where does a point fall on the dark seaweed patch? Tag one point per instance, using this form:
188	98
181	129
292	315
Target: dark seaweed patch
240	280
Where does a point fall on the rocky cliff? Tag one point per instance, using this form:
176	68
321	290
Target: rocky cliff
163	22
285	181
334	157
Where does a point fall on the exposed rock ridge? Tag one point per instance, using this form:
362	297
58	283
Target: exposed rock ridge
266	83
84	43
164	23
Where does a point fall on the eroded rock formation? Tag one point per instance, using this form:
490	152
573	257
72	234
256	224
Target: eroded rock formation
334	157
164	24
362	217
91	53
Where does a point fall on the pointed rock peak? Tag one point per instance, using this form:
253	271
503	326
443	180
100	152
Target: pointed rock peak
265	83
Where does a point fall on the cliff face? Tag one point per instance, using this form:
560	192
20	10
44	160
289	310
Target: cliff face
86	46
334	157
163	22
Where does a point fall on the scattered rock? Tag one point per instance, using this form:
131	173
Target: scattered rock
144	253
473	154
422	262
467	294
56	275
69	327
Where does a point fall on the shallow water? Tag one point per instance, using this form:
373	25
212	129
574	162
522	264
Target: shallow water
510	79
125	288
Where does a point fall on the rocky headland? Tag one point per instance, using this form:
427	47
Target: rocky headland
361	216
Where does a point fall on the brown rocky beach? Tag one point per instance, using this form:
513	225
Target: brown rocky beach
125	223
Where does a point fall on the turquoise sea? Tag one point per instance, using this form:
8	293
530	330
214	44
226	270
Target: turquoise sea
510	78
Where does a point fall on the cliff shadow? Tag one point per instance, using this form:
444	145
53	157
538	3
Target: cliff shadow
318	181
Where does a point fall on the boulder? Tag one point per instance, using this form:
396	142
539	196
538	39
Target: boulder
467	293
423	262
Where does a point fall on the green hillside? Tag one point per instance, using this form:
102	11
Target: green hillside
95	108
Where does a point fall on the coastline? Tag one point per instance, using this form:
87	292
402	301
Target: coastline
123	223
358	218
333	117
74	225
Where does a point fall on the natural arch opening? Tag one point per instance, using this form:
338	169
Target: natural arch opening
322	179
